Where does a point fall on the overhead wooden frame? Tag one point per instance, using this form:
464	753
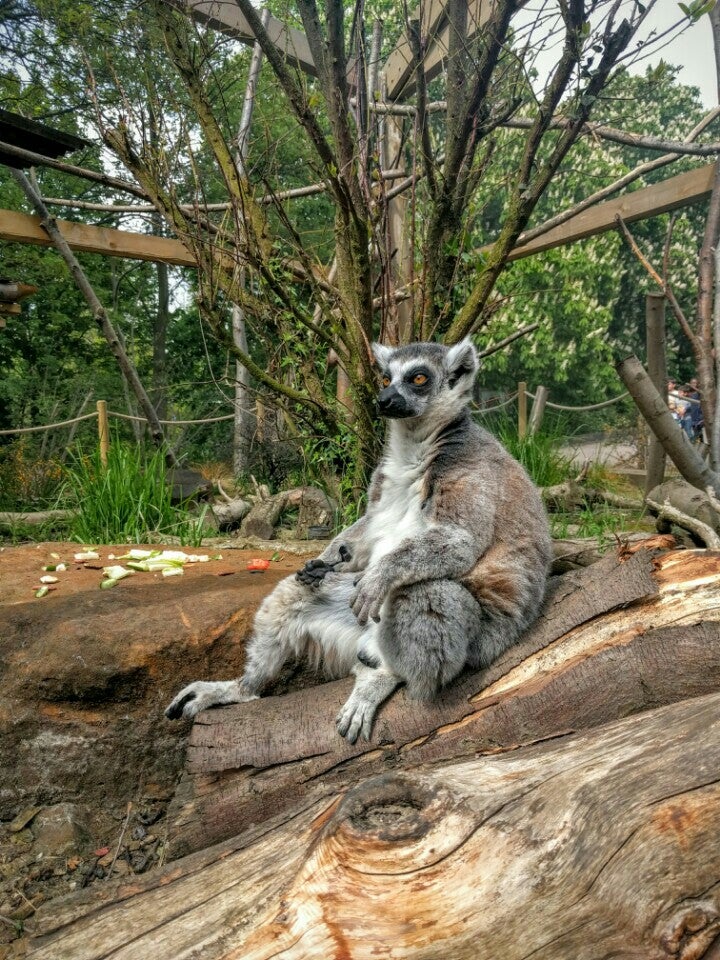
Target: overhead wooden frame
679	191
23	228
225	16
671	194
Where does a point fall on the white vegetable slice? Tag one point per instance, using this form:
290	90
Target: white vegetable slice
116	572
87	555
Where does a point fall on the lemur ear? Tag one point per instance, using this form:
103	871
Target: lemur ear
381	354
462	362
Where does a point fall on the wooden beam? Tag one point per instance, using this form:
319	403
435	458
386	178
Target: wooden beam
22	228
670	194
399	67
225	16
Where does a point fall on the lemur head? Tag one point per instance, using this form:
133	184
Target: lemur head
425	379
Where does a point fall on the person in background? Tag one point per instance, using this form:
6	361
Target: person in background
685	410
672	398
697	418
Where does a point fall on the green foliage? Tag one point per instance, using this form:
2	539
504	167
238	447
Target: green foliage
28	480
127	502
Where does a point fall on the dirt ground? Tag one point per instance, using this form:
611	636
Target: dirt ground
89	763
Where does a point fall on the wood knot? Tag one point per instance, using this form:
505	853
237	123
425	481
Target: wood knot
391	808
692	931
395	825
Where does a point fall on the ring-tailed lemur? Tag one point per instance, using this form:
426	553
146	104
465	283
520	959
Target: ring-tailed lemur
445	570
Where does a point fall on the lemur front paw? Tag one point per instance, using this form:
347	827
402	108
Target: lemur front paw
370	593
203	694
315	571
356	718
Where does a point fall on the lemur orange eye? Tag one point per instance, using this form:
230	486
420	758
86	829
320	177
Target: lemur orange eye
419	379
386	381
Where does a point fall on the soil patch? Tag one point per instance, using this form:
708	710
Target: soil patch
88	763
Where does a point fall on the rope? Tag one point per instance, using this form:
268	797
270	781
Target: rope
591	406
498	406
48	426
113	413
170	423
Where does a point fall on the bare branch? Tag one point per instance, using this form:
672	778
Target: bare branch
660	281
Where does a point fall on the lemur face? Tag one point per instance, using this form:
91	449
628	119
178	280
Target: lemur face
423	378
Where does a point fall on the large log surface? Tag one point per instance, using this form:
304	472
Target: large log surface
595	846
635	631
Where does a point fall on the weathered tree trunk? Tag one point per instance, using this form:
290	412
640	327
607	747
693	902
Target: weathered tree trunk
596	846
677	446
231	512
638	629
688	500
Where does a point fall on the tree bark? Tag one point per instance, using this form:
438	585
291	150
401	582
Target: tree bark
695	503
596	846
600	650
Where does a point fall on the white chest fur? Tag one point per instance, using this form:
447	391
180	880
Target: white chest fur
397	515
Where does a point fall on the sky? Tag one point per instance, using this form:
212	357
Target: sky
692	50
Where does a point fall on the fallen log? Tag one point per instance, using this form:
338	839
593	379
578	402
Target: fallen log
574	552
594	846
638	629
230	512
11	519
686	500
572	495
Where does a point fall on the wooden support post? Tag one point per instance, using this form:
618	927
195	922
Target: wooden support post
538	409
657	371
103	431
522	409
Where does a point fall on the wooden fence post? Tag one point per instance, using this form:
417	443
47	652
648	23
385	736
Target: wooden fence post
103	432
657	371
538	409
522	409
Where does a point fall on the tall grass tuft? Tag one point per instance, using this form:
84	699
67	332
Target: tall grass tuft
128	501
539	453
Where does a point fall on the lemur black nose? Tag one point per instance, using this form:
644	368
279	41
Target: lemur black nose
391	403
387	398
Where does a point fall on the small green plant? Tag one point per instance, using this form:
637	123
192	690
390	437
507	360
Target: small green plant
602	521
127	501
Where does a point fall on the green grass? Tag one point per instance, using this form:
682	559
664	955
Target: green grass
128	501
539	453
599	520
